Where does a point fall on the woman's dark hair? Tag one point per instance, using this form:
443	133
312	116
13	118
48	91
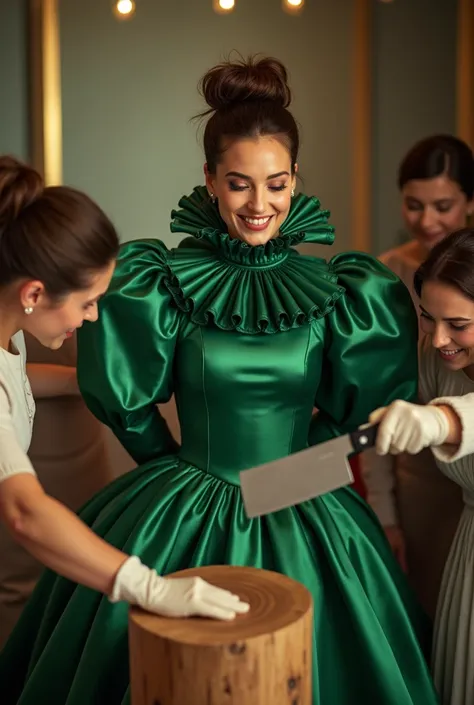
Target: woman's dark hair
247	99
450	262
437	155
55	234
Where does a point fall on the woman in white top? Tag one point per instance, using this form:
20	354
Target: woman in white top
57	256
418	505
69	454
445	284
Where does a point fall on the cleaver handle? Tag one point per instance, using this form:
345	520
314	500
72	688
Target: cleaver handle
364	438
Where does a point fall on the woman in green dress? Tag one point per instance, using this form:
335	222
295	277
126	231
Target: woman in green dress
249	336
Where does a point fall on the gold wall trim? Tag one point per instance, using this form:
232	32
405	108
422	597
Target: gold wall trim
361	124
46	149
465	72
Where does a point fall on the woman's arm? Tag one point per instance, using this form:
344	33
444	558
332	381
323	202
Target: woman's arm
56	536
52	380
455	434
445	424
61	541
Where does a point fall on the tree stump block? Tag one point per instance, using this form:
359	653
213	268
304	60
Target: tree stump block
261	658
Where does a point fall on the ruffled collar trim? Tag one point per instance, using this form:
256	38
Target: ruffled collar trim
199	217
221	281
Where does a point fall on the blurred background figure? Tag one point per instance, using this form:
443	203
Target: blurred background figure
69	453
418	505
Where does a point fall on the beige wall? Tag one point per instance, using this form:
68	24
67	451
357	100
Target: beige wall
465	71
129	89
128	99
128	92
13	79
414	94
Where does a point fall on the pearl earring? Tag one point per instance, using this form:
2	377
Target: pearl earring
29	310
292	193
212	197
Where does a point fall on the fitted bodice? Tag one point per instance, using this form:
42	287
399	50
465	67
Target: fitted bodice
248	339
245	400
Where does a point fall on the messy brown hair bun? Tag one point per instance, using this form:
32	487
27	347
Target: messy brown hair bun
20	186
55	235
232	83
247	99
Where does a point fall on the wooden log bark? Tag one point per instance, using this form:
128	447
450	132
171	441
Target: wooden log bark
261	658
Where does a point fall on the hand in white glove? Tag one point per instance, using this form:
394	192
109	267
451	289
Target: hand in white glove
408	428
173	597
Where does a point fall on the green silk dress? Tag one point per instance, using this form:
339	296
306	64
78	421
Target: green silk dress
249	340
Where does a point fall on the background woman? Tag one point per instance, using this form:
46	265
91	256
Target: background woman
69	454
445	285
418	505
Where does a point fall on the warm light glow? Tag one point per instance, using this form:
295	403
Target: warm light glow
124	9
223	7
293	7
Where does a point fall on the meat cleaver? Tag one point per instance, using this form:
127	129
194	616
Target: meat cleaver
304	475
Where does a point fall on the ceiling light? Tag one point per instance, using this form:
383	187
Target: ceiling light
124	9
223	6
293	6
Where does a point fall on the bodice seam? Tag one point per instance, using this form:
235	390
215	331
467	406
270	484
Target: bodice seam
206	404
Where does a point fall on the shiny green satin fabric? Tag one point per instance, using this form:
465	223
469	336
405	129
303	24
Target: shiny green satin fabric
246	379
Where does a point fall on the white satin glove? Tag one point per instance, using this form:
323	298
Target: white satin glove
408	428
173	597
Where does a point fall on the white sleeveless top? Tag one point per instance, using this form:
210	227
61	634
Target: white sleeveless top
17	410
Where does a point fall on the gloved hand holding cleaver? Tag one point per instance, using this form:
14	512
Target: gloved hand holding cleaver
304	475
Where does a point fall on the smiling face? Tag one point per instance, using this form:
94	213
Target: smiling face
447	316
253	184
433	208
52	323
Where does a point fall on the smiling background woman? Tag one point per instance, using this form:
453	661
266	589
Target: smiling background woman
418	506
445	284
436	182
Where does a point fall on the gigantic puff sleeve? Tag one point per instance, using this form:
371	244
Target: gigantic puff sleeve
371	347
125	359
